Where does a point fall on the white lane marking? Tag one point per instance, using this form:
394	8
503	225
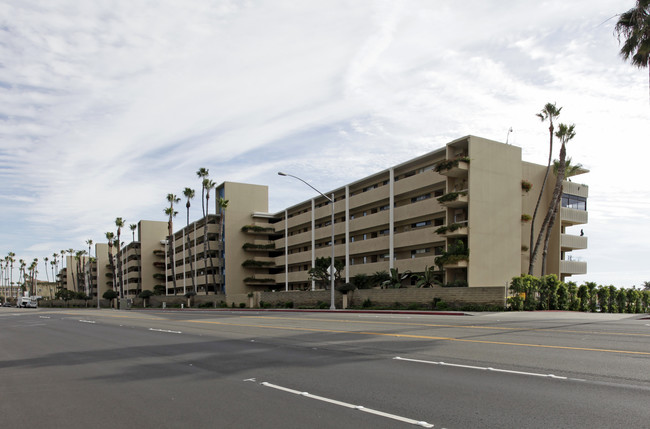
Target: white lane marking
346	405
87	321
484	368
165	330
44	317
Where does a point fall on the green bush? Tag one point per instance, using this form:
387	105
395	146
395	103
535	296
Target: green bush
367	303
441	305
242	305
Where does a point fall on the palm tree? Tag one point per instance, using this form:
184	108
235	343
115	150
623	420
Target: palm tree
565	133
47	275
110	237
120	223
11	260
634	27
189	194
208	185
89	242
428	278
53	268
223	205
55	265
133	227
202	174
550	112
169	211
570	168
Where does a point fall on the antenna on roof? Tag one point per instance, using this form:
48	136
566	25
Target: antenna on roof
508	135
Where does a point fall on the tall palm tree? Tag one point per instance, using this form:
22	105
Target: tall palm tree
634	27
169	211
110	237
564	133
202	174
47	275
55	265
120	223
223	205
53	268
11	259
133	227
189	194
89	242
550	112
21	275
208	185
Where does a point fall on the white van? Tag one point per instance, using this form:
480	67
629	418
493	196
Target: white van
27	302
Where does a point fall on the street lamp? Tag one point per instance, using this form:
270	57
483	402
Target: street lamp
332	269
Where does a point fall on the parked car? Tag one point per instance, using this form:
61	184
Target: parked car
6	304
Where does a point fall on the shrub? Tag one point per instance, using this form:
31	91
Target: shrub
441	305
256	228
526	185
367	303
242	305
451	196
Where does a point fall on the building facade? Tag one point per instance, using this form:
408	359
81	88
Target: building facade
463	209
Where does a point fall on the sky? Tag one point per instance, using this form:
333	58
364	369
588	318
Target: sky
107	106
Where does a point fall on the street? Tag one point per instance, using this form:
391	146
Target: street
249	369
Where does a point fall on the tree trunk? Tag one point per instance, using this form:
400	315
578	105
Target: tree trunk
548	233
557	193
533	256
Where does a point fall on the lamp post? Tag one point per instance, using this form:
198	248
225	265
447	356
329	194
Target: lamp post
332	269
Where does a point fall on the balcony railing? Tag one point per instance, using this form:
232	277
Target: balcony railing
454	199
453	168
573	242
573	267
573	216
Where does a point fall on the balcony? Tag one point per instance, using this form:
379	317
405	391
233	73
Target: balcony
570	216
573	267
454	199
463	263
454	168
259	281
572	242
455	230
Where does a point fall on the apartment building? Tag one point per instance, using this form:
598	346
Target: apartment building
463	209
466	202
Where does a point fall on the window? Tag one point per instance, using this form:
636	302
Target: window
420	198
415	252
574	202
386	207
384	231
421	224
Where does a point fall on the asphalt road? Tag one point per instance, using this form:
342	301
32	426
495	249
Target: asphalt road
234	369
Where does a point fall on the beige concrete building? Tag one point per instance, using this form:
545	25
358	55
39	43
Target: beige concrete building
466	201
463	209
